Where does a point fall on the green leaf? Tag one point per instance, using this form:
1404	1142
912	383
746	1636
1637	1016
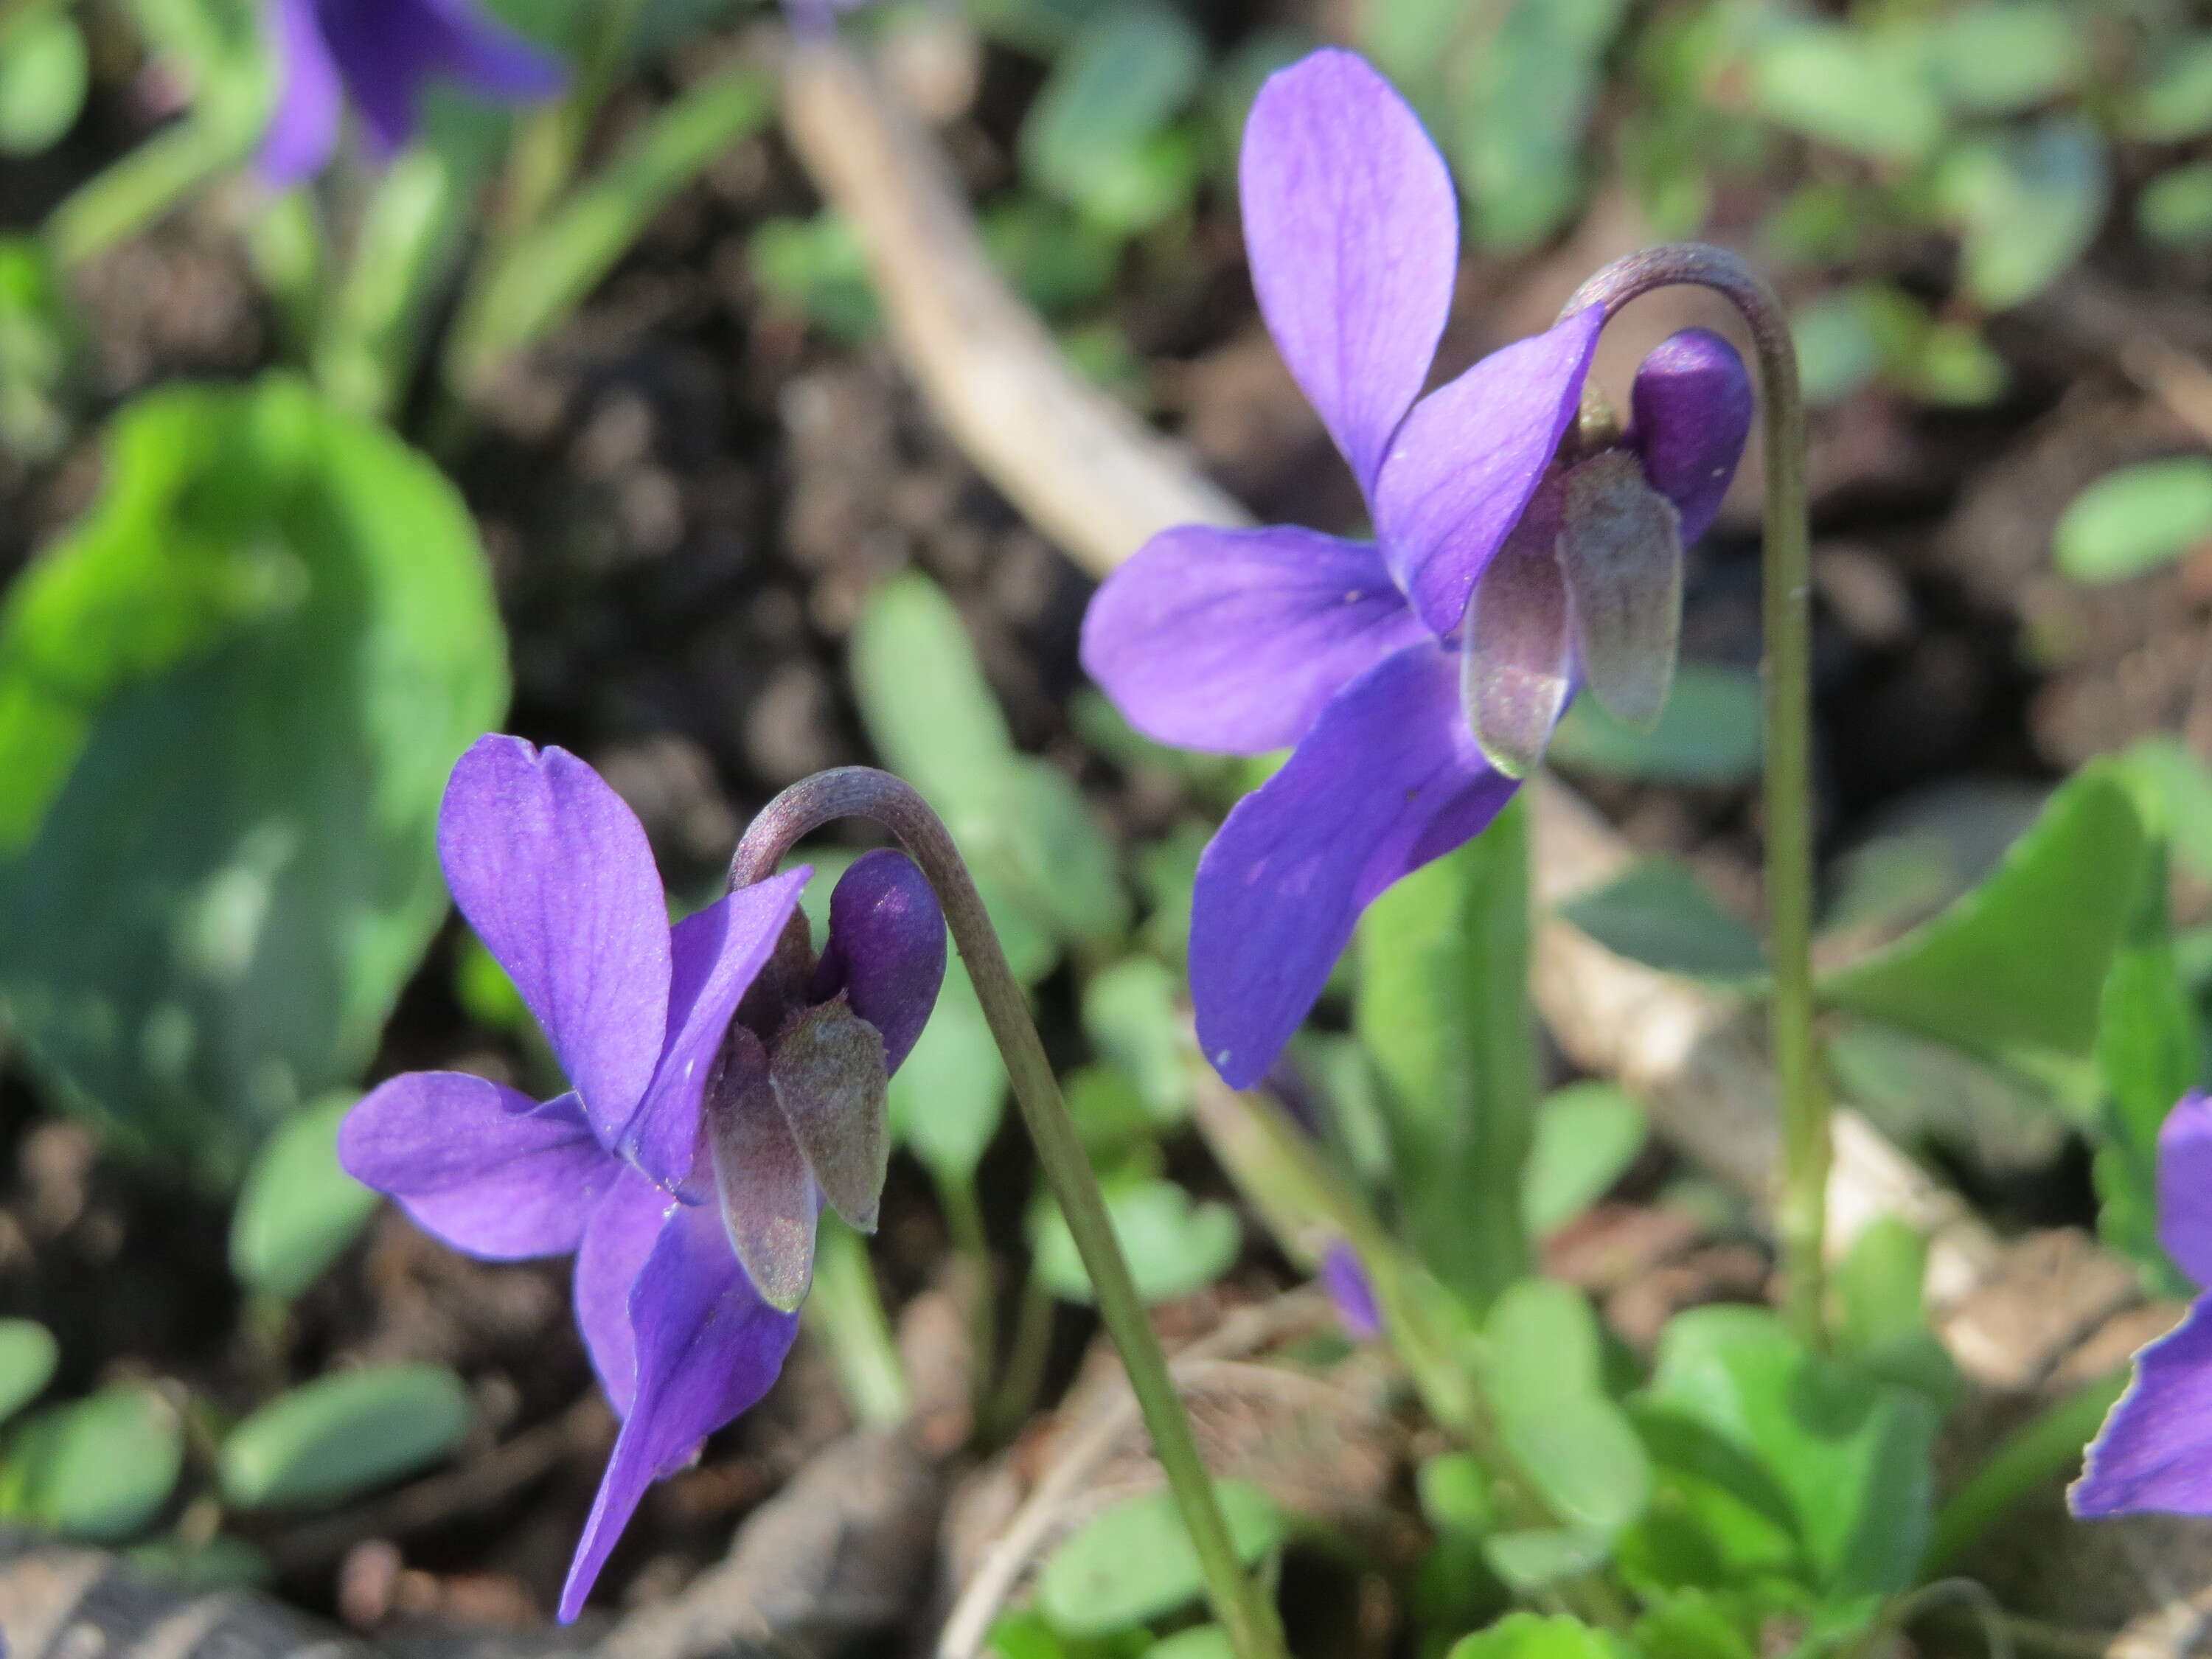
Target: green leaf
1920	1092
344	1435
1135	1562
410	236
1058	261
1690	1624
1174	1247
2173	791
2174	101
1586	1134
1522	107
298	1210
37	338
1708	733
948	1099
1132	1015
1442	1010
2047	1449
1052	853
1866	92
818	268
2135	519
1199	1641
1093	132
2000	56
1542	1373
2015	969
1536	1636
229	703
2176	207
28	1354
1655	913
1838	348
2027	203
98	1469
1762	1426
1455	1493
45	70
1884	1325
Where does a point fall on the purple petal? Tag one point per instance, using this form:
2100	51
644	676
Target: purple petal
1351	1292
2184	1186
1352	231
487	1169
305	129
553	872
386	49
617	1240
2155	1451
1389	778
707	1348
489	58
1691	404
886	949
1233	641
714	956
1468	459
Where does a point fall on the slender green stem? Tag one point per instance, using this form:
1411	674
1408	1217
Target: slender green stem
964	1215
1244	1613
847	1312
1026	1359
1800	1218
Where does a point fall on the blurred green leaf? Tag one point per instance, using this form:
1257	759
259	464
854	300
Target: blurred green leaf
99	1469
1708	733
44	68
1849	1458
28	1354
1656	912
417	218
1093	138
2174	100
1692	1624
229	699
2027	203
486	993
1442	1012
2015	967
818	268
1135	1562
344	1435
1175	1247
1999	56
2176	207
1455	1491
1132	1015
1879	1285
1536	1636
1521	106
2134	519
1543	1376
1586	1135
1055	860
1925	1094
1199	1641
37	336
1058	261
1109	1112
2174	795
1859	89
223	1563
1838	346
946	1100
298	1210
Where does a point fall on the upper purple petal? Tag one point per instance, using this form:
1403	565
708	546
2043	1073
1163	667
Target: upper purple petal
714	956
486	1169
1352	231
1388	779
1468	459
2155	1451
706	1348
618	1240
2184	1186
886	949
553	870
1231	641
489	58
304	130
386	50
1691	404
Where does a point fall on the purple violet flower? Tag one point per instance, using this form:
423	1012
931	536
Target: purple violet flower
725	1084
1351	1292
380	53
2155	1451
1241	641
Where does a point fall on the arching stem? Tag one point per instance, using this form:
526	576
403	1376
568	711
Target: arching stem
1246	1614
1807	1151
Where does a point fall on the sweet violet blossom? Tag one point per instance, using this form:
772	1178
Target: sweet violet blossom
1504	573
723	1085
2155	1451
381	53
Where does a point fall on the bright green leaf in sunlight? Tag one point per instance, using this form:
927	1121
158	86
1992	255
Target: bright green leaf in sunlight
44	68
2015	968
2027	204
1093	139
1519	112
1536	1636
344	1435
2176	207
1998	56
1542	1375
1131	1015
1867	92
28	1354
1656	912
2135	519
228	700
947	1099
1135	1562
298	1210
1175	1247
1586	1135
98	1468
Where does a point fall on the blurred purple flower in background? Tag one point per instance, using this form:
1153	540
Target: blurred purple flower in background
724	1084
1351	1292
1241	642
380	53
2155	1451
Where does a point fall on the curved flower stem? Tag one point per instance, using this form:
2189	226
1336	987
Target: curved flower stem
1807	1149
1244	1612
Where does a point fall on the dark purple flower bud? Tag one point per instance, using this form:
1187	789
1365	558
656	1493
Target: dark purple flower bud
1351	1292
886	949
1692	403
